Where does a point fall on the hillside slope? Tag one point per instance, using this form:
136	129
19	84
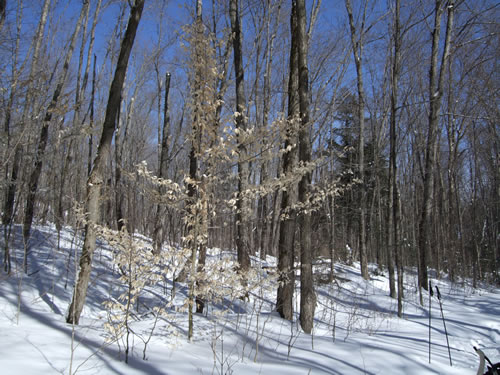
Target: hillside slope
356	328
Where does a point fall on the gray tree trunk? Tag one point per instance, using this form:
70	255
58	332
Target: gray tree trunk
393	189
307	295
91	117
3	5
286	244
436	80
44	136
118	187
392	224
96	178
243	202
8	210
162	170
357	47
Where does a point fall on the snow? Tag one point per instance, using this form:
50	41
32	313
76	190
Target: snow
356	327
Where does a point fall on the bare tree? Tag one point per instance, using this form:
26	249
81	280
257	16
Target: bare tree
162	168
267	225
357	42
284	303
12	183
307	295
96	178
242	206
393	224
6	142
436	86
44	135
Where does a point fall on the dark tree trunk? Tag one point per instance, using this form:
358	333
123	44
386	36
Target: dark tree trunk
436	79
162	171
392	222
91	141
243	203
96	178
8	210
118	190
44	135
3	5
357	47
307	295
284	303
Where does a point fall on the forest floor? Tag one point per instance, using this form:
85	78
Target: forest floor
357	330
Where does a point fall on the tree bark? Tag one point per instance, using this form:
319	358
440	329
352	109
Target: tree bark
267	224
118	186
96	178
12	185
243	203
393	221
91	140
286	244
307	295
357	47
162	169
3	5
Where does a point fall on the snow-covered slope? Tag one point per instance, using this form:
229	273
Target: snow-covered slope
356	328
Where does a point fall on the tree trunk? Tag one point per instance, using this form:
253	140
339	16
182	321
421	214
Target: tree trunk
284	303
393	199
267	201
331	239
90	140
243	203
436	78
96	178
394	227
44	135
162	170
118	188
357	47
307	295
3	5
8	210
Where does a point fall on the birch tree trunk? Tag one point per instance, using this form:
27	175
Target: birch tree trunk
96	178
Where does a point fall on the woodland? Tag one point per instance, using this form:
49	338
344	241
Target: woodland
313	131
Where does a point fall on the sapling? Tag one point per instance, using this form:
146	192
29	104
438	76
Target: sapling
138	266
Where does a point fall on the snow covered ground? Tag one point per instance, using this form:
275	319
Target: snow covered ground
356	327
